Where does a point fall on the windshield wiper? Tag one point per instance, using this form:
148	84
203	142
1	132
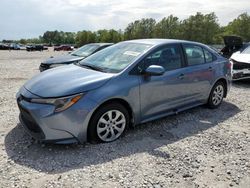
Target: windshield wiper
92	67
74	54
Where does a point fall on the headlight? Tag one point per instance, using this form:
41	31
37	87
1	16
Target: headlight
56	65
60	104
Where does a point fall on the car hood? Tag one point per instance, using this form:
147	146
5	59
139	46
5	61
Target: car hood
66	80
63	59
245	58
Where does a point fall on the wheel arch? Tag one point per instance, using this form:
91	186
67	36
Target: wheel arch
114	100
224	81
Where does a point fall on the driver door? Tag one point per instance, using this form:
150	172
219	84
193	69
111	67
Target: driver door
159	94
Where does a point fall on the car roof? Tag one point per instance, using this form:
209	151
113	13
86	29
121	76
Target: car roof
161	41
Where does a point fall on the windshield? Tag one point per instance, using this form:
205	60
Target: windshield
115	58
246	51
85	50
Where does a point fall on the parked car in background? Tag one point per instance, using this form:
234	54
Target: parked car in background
22	47
73	57
233	44
14	46
36	48
129	83
241	64
45	47
4	47
63	48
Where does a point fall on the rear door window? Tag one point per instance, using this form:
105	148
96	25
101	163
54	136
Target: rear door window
194	54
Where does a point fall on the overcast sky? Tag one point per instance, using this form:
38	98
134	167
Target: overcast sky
31	18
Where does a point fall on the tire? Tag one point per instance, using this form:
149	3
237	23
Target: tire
108	123
216	95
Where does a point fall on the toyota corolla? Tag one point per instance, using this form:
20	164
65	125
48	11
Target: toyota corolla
124	85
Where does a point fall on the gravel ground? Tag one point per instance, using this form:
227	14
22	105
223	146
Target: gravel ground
197	148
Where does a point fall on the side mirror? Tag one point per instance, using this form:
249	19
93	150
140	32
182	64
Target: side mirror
154	70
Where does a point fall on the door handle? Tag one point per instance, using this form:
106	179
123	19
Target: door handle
210	69
181	76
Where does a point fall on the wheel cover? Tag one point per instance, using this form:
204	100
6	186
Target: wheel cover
218	95
111	125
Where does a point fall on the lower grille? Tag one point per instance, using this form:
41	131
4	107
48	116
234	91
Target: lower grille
29	121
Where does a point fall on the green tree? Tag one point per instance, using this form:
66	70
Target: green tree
34	41
49	36
23	41
85	37
143	28
201	28
168	28
239	26
59	37
109	36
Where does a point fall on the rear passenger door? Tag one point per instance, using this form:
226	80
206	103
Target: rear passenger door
199	71
160	94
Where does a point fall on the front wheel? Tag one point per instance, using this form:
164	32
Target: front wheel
216	95
108	123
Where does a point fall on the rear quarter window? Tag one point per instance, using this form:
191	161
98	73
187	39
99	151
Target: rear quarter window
194	54
209	56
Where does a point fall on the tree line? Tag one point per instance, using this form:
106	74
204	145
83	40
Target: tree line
199	27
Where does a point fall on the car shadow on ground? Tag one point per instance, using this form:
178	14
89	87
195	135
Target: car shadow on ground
242	83
148	138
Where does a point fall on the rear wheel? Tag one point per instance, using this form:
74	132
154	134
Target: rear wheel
108	123
216	95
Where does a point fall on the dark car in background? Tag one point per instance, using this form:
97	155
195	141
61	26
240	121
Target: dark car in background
4	47
12	46
63	48
74	56
36	47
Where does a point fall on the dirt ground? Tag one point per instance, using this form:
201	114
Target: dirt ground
197	148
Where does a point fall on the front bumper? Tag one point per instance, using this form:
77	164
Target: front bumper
40	121
241	74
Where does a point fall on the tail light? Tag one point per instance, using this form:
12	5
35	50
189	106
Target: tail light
230	64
